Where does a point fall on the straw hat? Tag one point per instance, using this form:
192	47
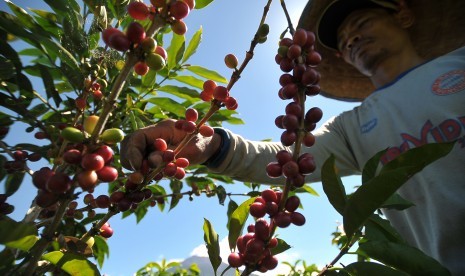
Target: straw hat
439	28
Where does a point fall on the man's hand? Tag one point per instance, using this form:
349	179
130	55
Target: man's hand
139	145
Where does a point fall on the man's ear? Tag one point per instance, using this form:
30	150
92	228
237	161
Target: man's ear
405	15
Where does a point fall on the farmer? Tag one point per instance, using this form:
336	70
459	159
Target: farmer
405	62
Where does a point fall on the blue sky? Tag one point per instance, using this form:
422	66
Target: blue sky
228	27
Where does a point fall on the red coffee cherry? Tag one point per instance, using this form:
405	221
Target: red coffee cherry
179	10
300	37
231	103
107	33
270	262
179	27
106	152
107	174
288	138
269	195
141	68
160	144
102	201
235	260
274	169
116	196
206	131
135	32
58	183
119	42
161	51
40	177
87	180
106	231
138	10
92	161
257	210
297	218
220	93
191	114
282	219
314	115
72	156
170	169
292	203
189	126
182	162
262	229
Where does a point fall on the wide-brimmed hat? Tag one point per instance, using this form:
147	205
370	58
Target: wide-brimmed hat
438	29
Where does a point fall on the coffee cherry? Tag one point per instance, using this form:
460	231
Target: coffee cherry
288	138
107	174
182	162
179	10
309	77
263	30
92	161
158	3
294	51
235	260
230	103
87	180
206	131
189	126
45	198
270	262
106	231
309	139
106	152
285	79
72	134
107	33
160	144
314	115
306	165
102	201
282	219
72	156
292	203
135	32
161	51
112	136
257	210
300	37
283	156
209	86
313	58
180	173
97	95
262	229
272	208
148	44
155	61
40	177
116	196
119	42
58	183
269	195
290	169
274	169
141	68
90	122
220	93
179	27
231	61
138	10
170	170
191	114
190	3
136	177
297	218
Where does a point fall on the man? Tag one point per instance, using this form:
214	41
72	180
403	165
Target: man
406	64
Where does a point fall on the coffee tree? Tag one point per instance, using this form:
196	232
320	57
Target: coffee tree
102	64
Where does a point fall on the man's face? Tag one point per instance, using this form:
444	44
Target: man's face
368	37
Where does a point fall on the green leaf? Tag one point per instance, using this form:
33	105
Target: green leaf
176	50
281	247
403	257
63	6
200	4
49	85
397	202
377	228
370	268
193	45
7	69
149	79
371	195
100	250
23	237
168	105
190	80
307	189
369	170
237	221
206	73
221	193
213	245
188	94
13	182
332	185
176	187
232	206
72	263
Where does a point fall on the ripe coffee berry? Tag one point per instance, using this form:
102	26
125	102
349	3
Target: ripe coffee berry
269	196
220	93
235	260
135	32
138	10
160	144
92	161
191	114
206	131
141	68
179	27
257	209
179	9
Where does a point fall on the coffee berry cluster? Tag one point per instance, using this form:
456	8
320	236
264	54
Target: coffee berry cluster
254	248
19	160
212	91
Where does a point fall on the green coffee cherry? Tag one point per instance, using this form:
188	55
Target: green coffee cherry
263	30
112	136
72	134
155	61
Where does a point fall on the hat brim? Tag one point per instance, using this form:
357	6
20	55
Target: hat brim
439	28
